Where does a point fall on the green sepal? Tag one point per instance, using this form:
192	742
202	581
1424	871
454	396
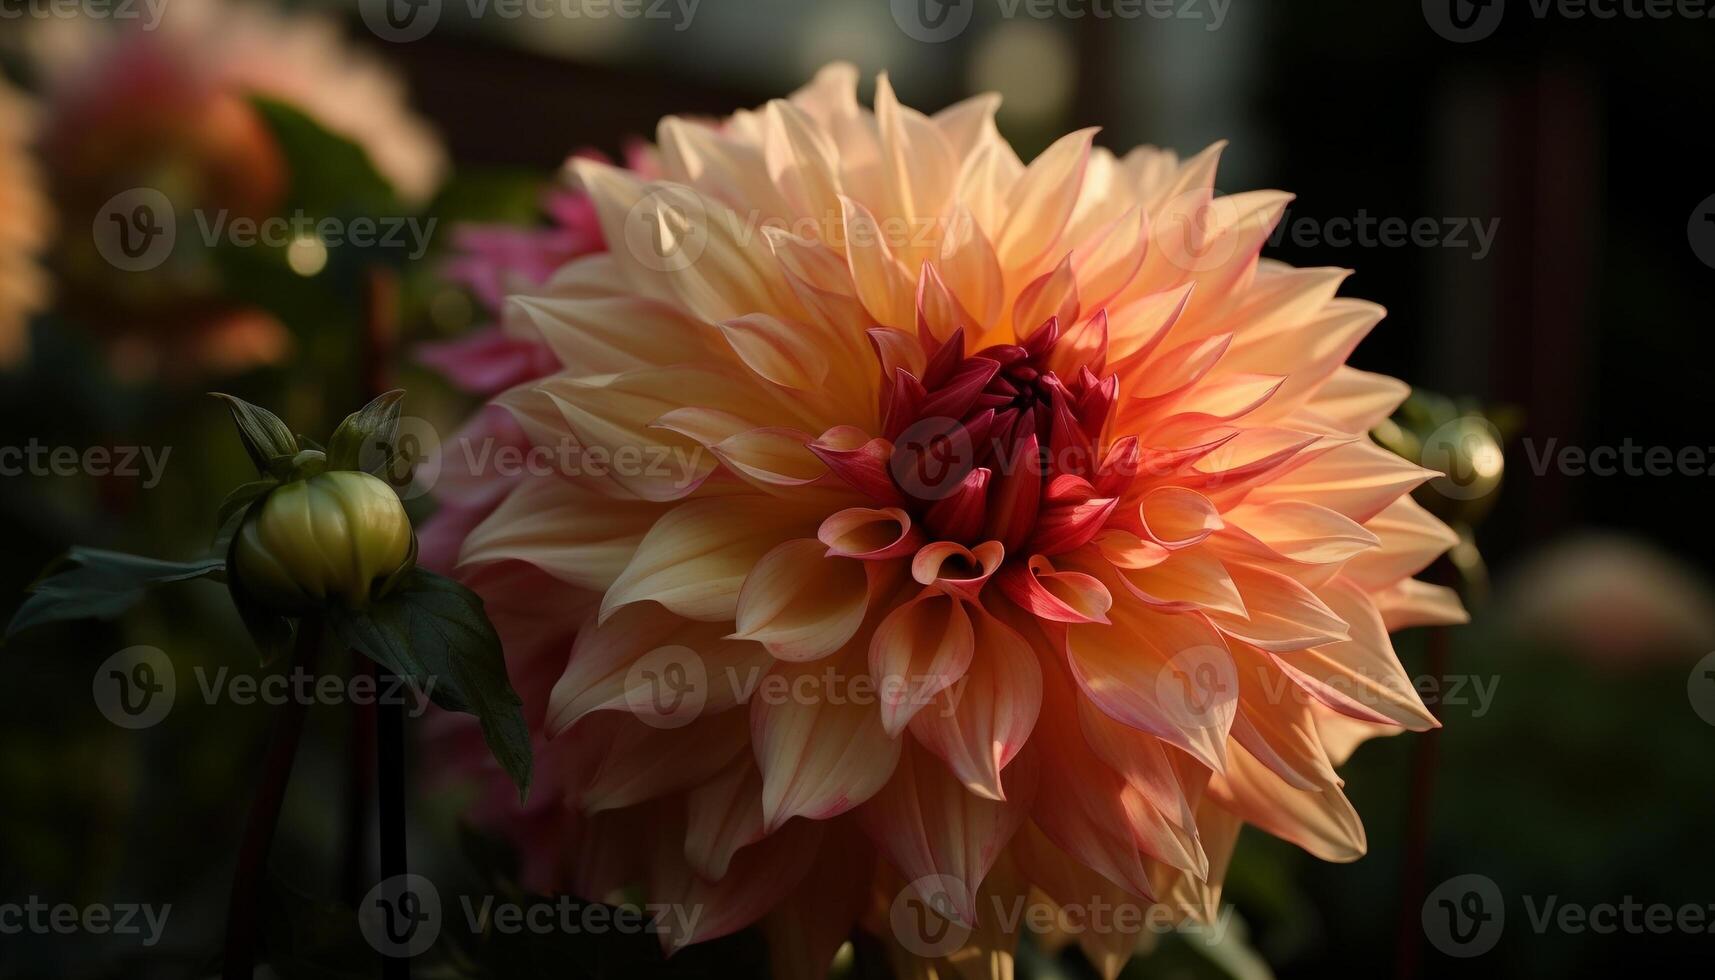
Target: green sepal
267	440
367	436
89	583
433	632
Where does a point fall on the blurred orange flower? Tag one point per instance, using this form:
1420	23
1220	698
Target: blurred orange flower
166	109
24	225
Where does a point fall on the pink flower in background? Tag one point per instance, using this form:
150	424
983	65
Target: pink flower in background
491	260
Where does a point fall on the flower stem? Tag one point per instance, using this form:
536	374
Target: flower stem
1425	755
381	316
288	728
390	792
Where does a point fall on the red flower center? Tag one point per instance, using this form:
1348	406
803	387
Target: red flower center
1001	446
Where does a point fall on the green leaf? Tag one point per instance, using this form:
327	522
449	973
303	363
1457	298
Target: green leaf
265	437
101	585
366	434
330	173
433	631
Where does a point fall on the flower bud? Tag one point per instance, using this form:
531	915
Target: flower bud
339	537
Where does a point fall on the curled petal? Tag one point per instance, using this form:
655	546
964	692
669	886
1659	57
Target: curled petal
870	533
920	649
955	568
859	461
1175	517
1188	579
1063	597
801	603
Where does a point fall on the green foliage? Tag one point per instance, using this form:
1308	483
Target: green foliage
88	583
432	631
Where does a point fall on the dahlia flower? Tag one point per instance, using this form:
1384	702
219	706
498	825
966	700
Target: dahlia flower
23	225
942	532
